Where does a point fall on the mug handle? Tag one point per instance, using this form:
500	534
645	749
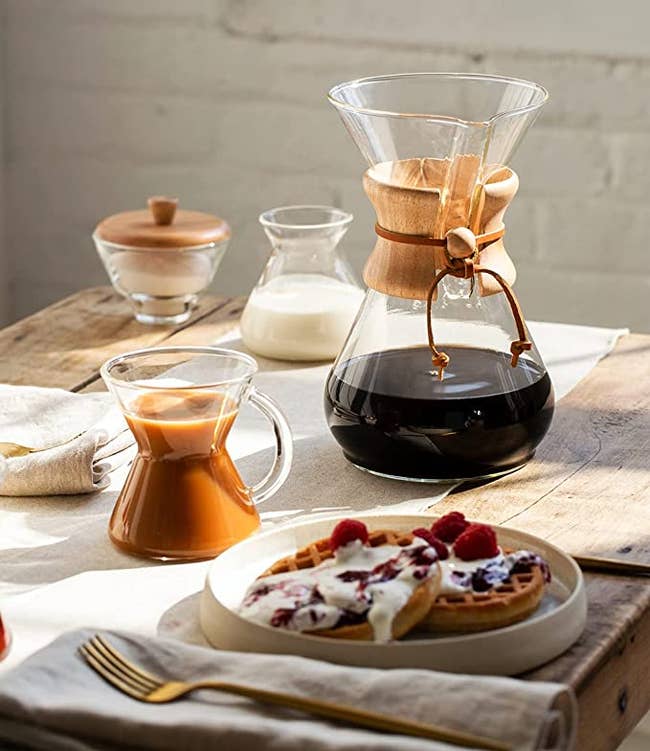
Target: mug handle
278	473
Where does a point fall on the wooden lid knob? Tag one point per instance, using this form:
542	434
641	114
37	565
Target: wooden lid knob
162	209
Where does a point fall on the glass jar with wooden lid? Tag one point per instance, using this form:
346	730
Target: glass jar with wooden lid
161	258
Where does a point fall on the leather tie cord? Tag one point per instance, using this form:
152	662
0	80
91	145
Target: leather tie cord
467	271
440	242
464	268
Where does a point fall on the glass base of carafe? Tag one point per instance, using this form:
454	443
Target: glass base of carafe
440	480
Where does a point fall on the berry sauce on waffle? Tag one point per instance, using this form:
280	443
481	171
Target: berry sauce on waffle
358	584
474	562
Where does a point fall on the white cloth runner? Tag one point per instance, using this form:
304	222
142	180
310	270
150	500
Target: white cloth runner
54	696
69	443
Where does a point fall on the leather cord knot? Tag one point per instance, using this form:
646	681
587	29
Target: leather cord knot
517	348
440	360
462	267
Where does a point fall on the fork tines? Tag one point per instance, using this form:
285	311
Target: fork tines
117	670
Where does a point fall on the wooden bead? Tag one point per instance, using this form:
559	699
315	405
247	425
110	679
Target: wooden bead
461	242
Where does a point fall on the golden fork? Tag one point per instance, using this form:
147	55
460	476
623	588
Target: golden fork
143	686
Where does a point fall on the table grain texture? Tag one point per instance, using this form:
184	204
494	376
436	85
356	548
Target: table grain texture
587	490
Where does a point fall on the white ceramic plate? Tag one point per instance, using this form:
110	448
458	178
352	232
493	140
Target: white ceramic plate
544	635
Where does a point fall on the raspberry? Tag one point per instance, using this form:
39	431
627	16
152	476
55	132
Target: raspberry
438	545
449	527
477	541
346	531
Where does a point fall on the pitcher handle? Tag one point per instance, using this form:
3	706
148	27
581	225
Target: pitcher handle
278	473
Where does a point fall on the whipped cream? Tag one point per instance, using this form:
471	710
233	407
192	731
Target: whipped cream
460	576
360	583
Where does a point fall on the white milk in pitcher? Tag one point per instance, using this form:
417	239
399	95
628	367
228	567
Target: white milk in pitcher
300	317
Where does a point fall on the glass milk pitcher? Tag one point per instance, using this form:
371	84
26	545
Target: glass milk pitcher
305	301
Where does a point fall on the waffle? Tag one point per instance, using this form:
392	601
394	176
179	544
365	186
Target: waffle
408	617
512	601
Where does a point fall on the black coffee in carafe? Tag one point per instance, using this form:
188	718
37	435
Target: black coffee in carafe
392	415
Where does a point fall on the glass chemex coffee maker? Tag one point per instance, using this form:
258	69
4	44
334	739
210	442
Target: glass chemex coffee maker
439	379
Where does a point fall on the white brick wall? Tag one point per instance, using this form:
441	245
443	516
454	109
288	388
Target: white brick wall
223	103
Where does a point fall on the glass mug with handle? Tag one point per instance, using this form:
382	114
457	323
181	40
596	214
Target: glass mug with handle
183	498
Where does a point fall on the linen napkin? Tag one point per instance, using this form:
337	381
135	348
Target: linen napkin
53	701
59	443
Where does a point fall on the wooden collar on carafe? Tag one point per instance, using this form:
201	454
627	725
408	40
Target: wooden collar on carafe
460	257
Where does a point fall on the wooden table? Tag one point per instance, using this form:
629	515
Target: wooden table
588	489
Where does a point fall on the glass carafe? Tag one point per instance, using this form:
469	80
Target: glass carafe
307	296
439	379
